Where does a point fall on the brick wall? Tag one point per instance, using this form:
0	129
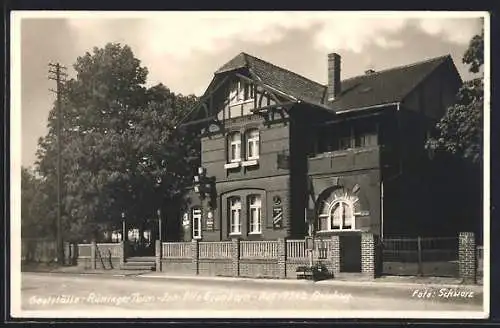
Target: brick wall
368	254
177	266
467	257
215	267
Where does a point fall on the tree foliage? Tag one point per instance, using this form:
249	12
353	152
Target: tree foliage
37	216
460	131
121	153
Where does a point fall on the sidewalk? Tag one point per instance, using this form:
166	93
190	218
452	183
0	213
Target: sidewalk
393	282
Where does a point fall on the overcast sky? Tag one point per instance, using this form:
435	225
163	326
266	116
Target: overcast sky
183	49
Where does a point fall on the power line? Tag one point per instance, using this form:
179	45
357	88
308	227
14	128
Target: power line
57	72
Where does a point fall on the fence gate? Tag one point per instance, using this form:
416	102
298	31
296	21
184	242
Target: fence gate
420	256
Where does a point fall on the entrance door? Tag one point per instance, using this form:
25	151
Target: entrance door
145	245
350	253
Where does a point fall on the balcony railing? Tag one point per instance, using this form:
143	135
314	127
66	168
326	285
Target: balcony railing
345	160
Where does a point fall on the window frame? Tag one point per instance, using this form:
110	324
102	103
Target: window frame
255	205
234	206
329	217
241	92
237	144
198	215
252	136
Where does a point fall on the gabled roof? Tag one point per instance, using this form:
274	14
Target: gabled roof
382	87
279	78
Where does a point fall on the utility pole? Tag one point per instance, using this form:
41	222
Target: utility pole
58	74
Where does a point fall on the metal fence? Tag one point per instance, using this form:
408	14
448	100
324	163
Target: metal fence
420	255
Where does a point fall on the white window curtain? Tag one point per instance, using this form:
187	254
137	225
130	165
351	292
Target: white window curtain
235	147
235	215
342	217
255	211
253	144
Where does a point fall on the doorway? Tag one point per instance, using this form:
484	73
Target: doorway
143	244
350	253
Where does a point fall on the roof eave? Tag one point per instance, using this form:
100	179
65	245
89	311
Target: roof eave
371	107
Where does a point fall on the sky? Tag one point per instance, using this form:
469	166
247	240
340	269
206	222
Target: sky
183	49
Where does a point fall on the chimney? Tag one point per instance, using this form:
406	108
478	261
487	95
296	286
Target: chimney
334	86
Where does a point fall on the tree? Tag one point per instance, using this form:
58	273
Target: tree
460	130
37	217
457	147
121	153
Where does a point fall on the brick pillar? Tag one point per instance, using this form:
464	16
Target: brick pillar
467	257
122	253
334	254
67	254
235	252
368	254
158	255
195	255
93	251
282	258
73	255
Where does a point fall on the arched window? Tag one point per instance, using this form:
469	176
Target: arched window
234	151
252	141
255	213
337	216
234	215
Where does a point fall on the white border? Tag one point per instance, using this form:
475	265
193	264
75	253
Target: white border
15	170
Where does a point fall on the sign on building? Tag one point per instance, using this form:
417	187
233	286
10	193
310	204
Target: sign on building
277	217
209	221
185	220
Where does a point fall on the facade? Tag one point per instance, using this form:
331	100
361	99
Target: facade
283	156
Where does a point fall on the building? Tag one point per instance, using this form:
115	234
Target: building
284	156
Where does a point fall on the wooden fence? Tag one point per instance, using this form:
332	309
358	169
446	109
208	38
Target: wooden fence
296	248
259	249
215	249
177	250
109	249
84	250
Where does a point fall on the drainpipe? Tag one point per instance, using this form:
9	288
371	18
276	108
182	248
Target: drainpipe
382	210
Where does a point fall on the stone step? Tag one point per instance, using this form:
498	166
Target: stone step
141	259
138	266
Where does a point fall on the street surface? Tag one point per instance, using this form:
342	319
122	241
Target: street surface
114	296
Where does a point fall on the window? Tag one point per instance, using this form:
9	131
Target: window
255	213
252	144
362	140
340	216
234	215
196	223
235	147
241	91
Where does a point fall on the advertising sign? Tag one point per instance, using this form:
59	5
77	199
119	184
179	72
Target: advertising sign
209	221
277	217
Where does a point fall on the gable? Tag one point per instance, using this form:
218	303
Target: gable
240	97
